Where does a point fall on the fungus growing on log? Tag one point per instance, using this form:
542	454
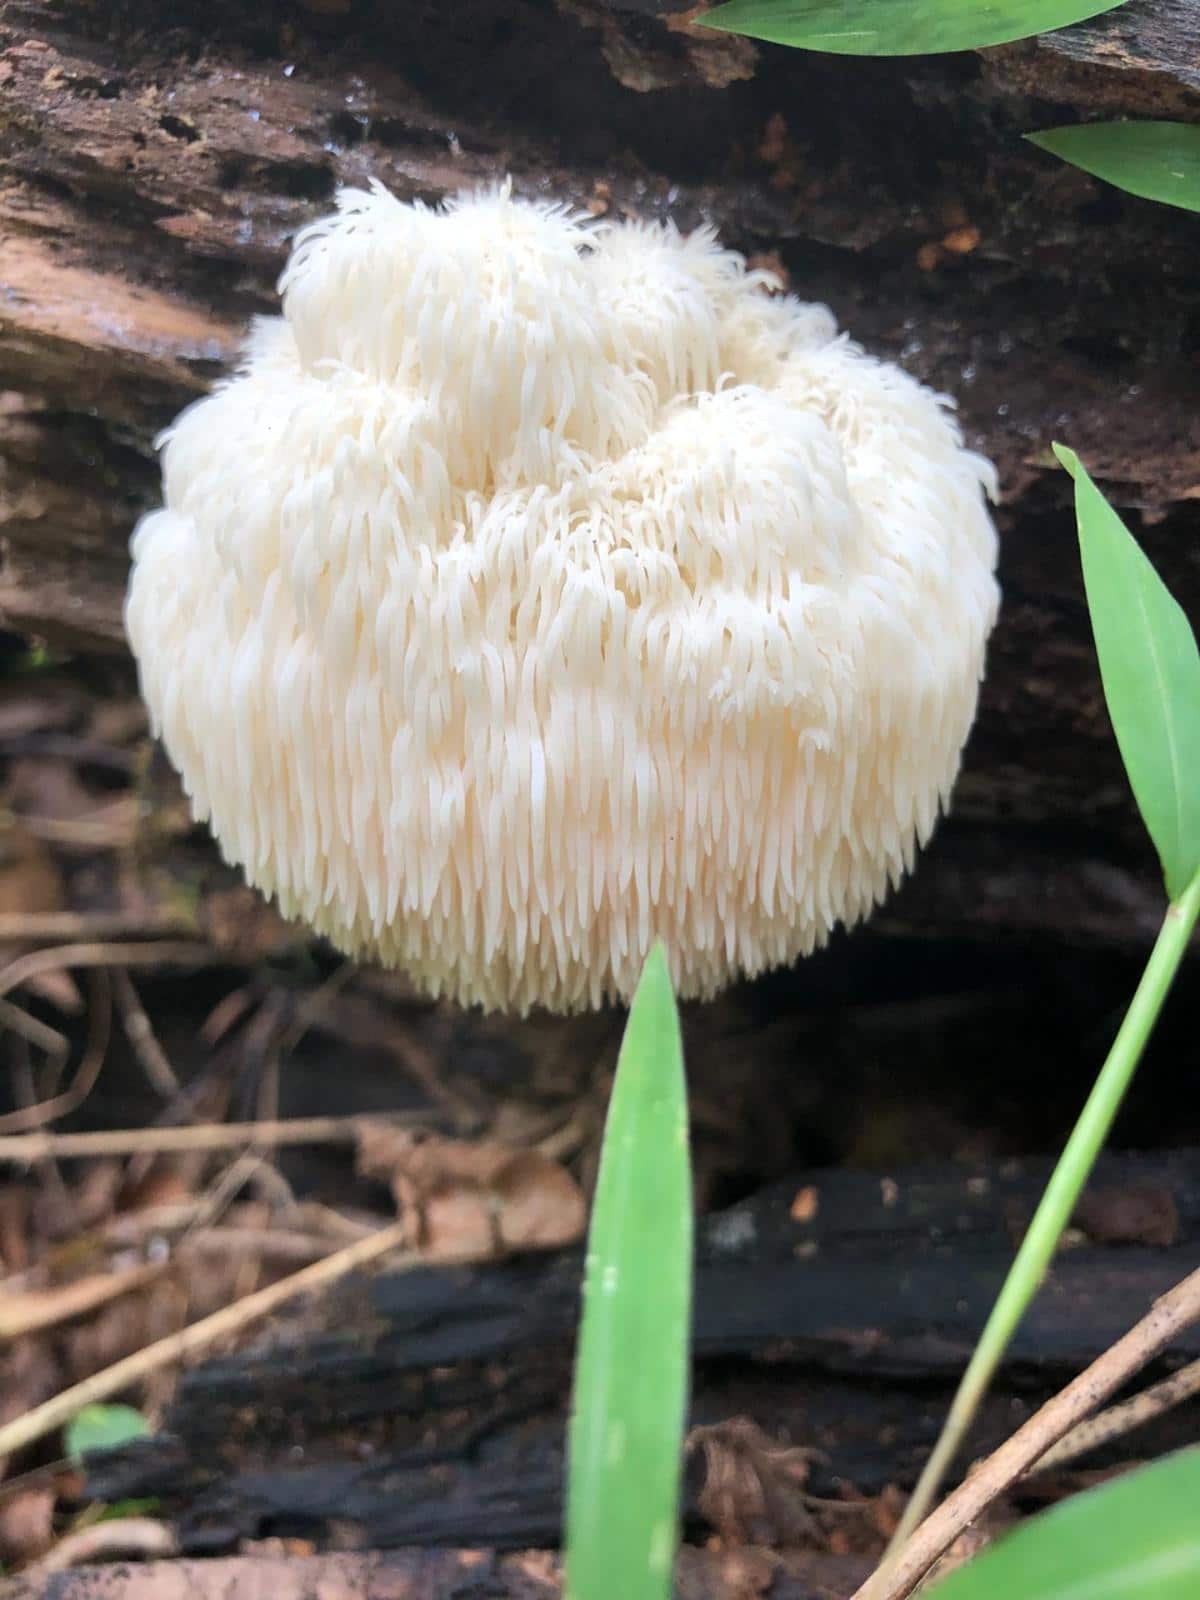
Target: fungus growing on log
538	589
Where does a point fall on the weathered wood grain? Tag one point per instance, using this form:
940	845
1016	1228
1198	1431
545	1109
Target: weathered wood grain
155	160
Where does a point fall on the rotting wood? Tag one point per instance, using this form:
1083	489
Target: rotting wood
835	1311
1140	60
155	160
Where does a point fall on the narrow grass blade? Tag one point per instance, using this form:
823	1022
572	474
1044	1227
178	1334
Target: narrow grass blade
1135	1539
1155	160
1150	667
899	27
631	1375
1071	1172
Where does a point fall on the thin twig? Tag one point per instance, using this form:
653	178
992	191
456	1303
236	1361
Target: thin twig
152	954
143	1537
42	1477
190	1341
84	1081
1168	1317
320	1226
272	1188
1053	1211
134	1228
87	927
31	1310
278	1244
1117	1421
25	1093
44	1038
22	1149
324	1221
107	828
251	1166
312	1005
227	1013
142	1038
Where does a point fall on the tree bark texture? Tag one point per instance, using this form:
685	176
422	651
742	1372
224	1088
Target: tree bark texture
156	157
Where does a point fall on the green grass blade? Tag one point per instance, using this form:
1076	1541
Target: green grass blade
1135	1539
899	27
1155	160
631	1379
1061	1196
1150	667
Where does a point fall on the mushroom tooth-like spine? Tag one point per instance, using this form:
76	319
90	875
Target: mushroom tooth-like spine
536	589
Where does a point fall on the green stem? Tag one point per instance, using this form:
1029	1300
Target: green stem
1058	1202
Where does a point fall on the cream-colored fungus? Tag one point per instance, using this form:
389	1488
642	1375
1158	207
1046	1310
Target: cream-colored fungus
537	589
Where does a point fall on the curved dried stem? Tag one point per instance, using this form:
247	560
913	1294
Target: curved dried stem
1169	1316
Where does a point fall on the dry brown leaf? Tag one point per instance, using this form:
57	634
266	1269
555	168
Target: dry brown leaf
457	1222
424	1162
462	1191
754	1488
541	1207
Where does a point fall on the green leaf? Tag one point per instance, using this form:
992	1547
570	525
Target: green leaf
1156	160
899	27
1137	1538
103	1428
631	1379
1150	668
125	1508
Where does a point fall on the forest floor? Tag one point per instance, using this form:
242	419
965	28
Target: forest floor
200	1103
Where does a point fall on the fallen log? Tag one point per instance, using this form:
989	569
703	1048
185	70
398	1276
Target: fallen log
155	161
428	1408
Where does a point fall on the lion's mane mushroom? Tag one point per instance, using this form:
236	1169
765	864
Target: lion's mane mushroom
538	589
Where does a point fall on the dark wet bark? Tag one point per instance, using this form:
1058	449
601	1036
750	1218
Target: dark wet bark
428	1408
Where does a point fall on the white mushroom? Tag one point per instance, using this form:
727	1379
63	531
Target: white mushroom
538	589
